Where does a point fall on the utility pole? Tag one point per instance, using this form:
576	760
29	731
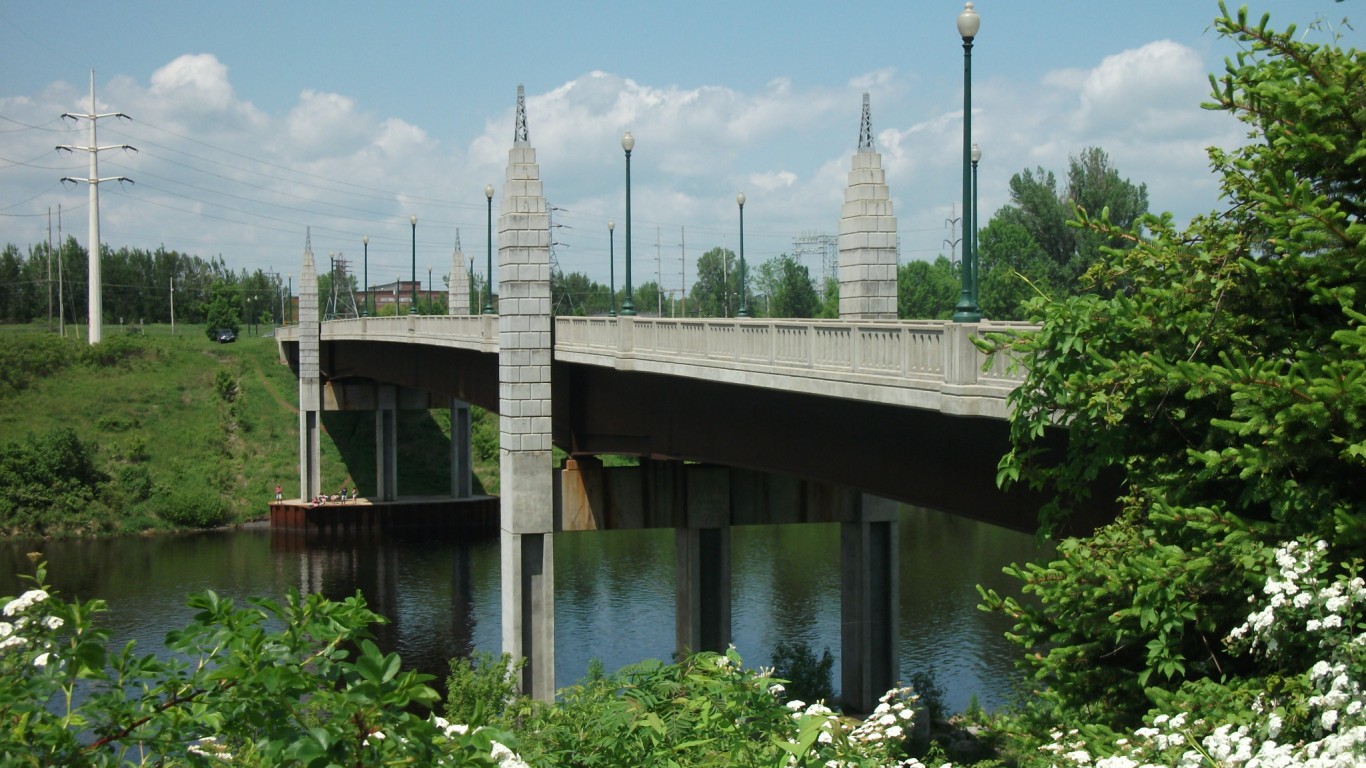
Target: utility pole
172	305
659	278
61	308
96	296
683	271
953	240
49	269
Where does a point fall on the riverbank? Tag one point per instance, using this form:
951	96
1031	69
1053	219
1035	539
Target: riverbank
157	431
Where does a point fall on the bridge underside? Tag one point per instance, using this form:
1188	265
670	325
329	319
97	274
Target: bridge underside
919	457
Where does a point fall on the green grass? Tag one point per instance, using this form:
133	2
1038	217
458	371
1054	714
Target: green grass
204	418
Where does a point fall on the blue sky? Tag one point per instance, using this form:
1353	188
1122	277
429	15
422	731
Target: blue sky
256	120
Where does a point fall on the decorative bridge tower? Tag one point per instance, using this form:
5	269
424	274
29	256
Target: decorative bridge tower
867	239
525	459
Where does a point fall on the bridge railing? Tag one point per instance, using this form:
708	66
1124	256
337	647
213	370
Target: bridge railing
933	350
479	332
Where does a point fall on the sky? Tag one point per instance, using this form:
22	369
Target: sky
258	124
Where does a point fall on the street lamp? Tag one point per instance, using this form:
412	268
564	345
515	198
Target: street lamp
976	227
290	314
429	288
612	265
365	241
412	307
628	305
488	302
744	307
967	310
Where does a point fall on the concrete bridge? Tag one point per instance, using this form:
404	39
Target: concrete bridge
742	421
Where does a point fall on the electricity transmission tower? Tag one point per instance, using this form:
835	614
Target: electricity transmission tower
341	302
96	288
826	247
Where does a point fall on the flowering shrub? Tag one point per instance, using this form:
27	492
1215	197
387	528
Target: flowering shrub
1308	607
296	682
708	709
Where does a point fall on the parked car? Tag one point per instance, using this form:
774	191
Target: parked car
225	336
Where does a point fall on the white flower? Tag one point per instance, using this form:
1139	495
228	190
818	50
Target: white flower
53	622
1329	719
824	737
25	601
894	732
40	660
776	689
796	704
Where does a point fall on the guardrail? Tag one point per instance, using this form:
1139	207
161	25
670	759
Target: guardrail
937	350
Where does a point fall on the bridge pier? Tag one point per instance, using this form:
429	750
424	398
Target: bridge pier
702	572
386	442
525	469
462	460
310	379
870	602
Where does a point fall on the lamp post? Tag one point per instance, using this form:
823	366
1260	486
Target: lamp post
744	306
412	306
365	241
612	265
976	256
429	288
488	302
967	310
289	316
628	305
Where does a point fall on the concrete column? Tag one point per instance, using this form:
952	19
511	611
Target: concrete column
386	442
462	459
702	575
310	379
869	603
867	239
525	469
702	589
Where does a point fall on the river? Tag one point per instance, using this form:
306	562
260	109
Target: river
613	591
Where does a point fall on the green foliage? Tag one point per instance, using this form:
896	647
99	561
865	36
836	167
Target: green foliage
717	290
704	710
194	508
26	358
49	485
225	384
1220	373
291	682
483	690
1030	238
927	290
808	678
787	287
223	310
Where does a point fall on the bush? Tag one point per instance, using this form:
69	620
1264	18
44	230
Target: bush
204	510
808	678
49	484
482	689
28	357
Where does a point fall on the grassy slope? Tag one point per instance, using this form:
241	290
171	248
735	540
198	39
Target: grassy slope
168	402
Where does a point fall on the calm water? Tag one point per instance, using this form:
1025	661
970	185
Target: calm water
613	592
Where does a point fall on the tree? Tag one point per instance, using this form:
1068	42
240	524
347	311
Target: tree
717	288
787	284
1042	211
1221	372
1014	270
927	290
224	309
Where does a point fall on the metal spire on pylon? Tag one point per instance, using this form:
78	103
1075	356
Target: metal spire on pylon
865	131
521	138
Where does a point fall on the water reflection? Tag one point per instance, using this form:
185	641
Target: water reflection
614	591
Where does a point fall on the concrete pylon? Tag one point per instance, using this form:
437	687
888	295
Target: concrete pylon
525	460
867	240
310	378
458	290
870	603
